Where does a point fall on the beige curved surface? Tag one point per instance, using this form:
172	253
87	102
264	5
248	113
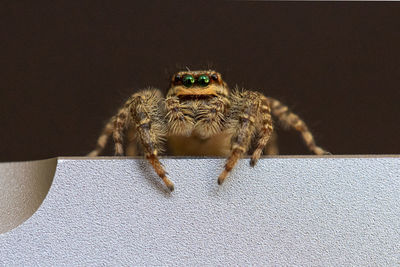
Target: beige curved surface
23	187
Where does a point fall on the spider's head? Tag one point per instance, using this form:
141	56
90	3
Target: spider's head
201	83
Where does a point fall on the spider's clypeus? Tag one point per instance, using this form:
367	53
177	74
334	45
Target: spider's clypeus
199	116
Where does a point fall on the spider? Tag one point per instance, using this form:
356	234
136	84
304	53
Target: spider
200	116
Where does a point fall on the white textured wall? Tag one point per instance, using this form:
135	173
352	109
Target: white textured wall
286	211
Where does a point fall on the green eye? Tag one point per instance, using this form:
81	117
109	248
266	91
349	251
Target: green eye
203	80
188	80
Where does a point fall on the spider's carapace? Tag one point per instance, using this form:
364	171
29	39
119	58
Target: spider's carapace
199	115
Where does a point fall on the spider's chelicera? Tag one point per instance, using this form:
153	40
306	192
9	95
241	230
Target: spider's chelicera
199	116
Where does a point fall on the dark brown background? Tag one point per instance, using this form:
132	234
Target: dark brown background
67	66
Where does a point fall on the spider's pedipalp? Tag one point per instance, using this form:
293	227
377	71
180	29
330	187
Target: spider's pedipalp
210	117
179	116
291	120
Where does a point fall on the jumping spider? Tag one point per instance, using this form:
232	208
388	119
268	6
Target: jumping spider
199	116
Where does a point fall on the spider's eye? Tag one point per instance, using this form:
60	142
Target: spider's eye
188	80
203	80
178	78
214	77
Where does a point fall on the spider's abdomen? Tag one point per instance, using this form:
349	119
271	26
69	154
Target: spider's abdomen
216	145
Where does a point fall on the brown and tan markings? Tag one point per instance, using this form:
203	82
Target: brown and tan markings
199	116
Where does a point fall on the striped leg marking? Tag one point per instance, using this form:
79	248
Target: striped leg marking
102	140
291	120
150	130
245	107
266	132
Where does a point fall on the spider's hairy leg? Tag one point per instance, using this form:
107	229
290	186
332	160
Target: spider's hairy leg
264	113
148	121
291	120
120	124
211	117
244	107
102	140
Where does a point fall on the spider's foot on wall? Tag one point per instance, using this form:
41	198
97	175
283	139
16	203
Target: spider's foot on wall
222	177
168	183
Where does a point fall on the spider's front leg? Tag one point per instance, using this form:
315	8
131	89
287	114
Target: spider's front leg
145	108
250	113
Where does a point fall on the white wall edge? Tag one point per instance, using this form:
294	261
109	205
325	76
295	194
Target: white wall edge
319	211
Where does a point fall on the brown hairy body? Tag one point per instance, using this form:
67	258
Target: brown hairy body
217	145
199	116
